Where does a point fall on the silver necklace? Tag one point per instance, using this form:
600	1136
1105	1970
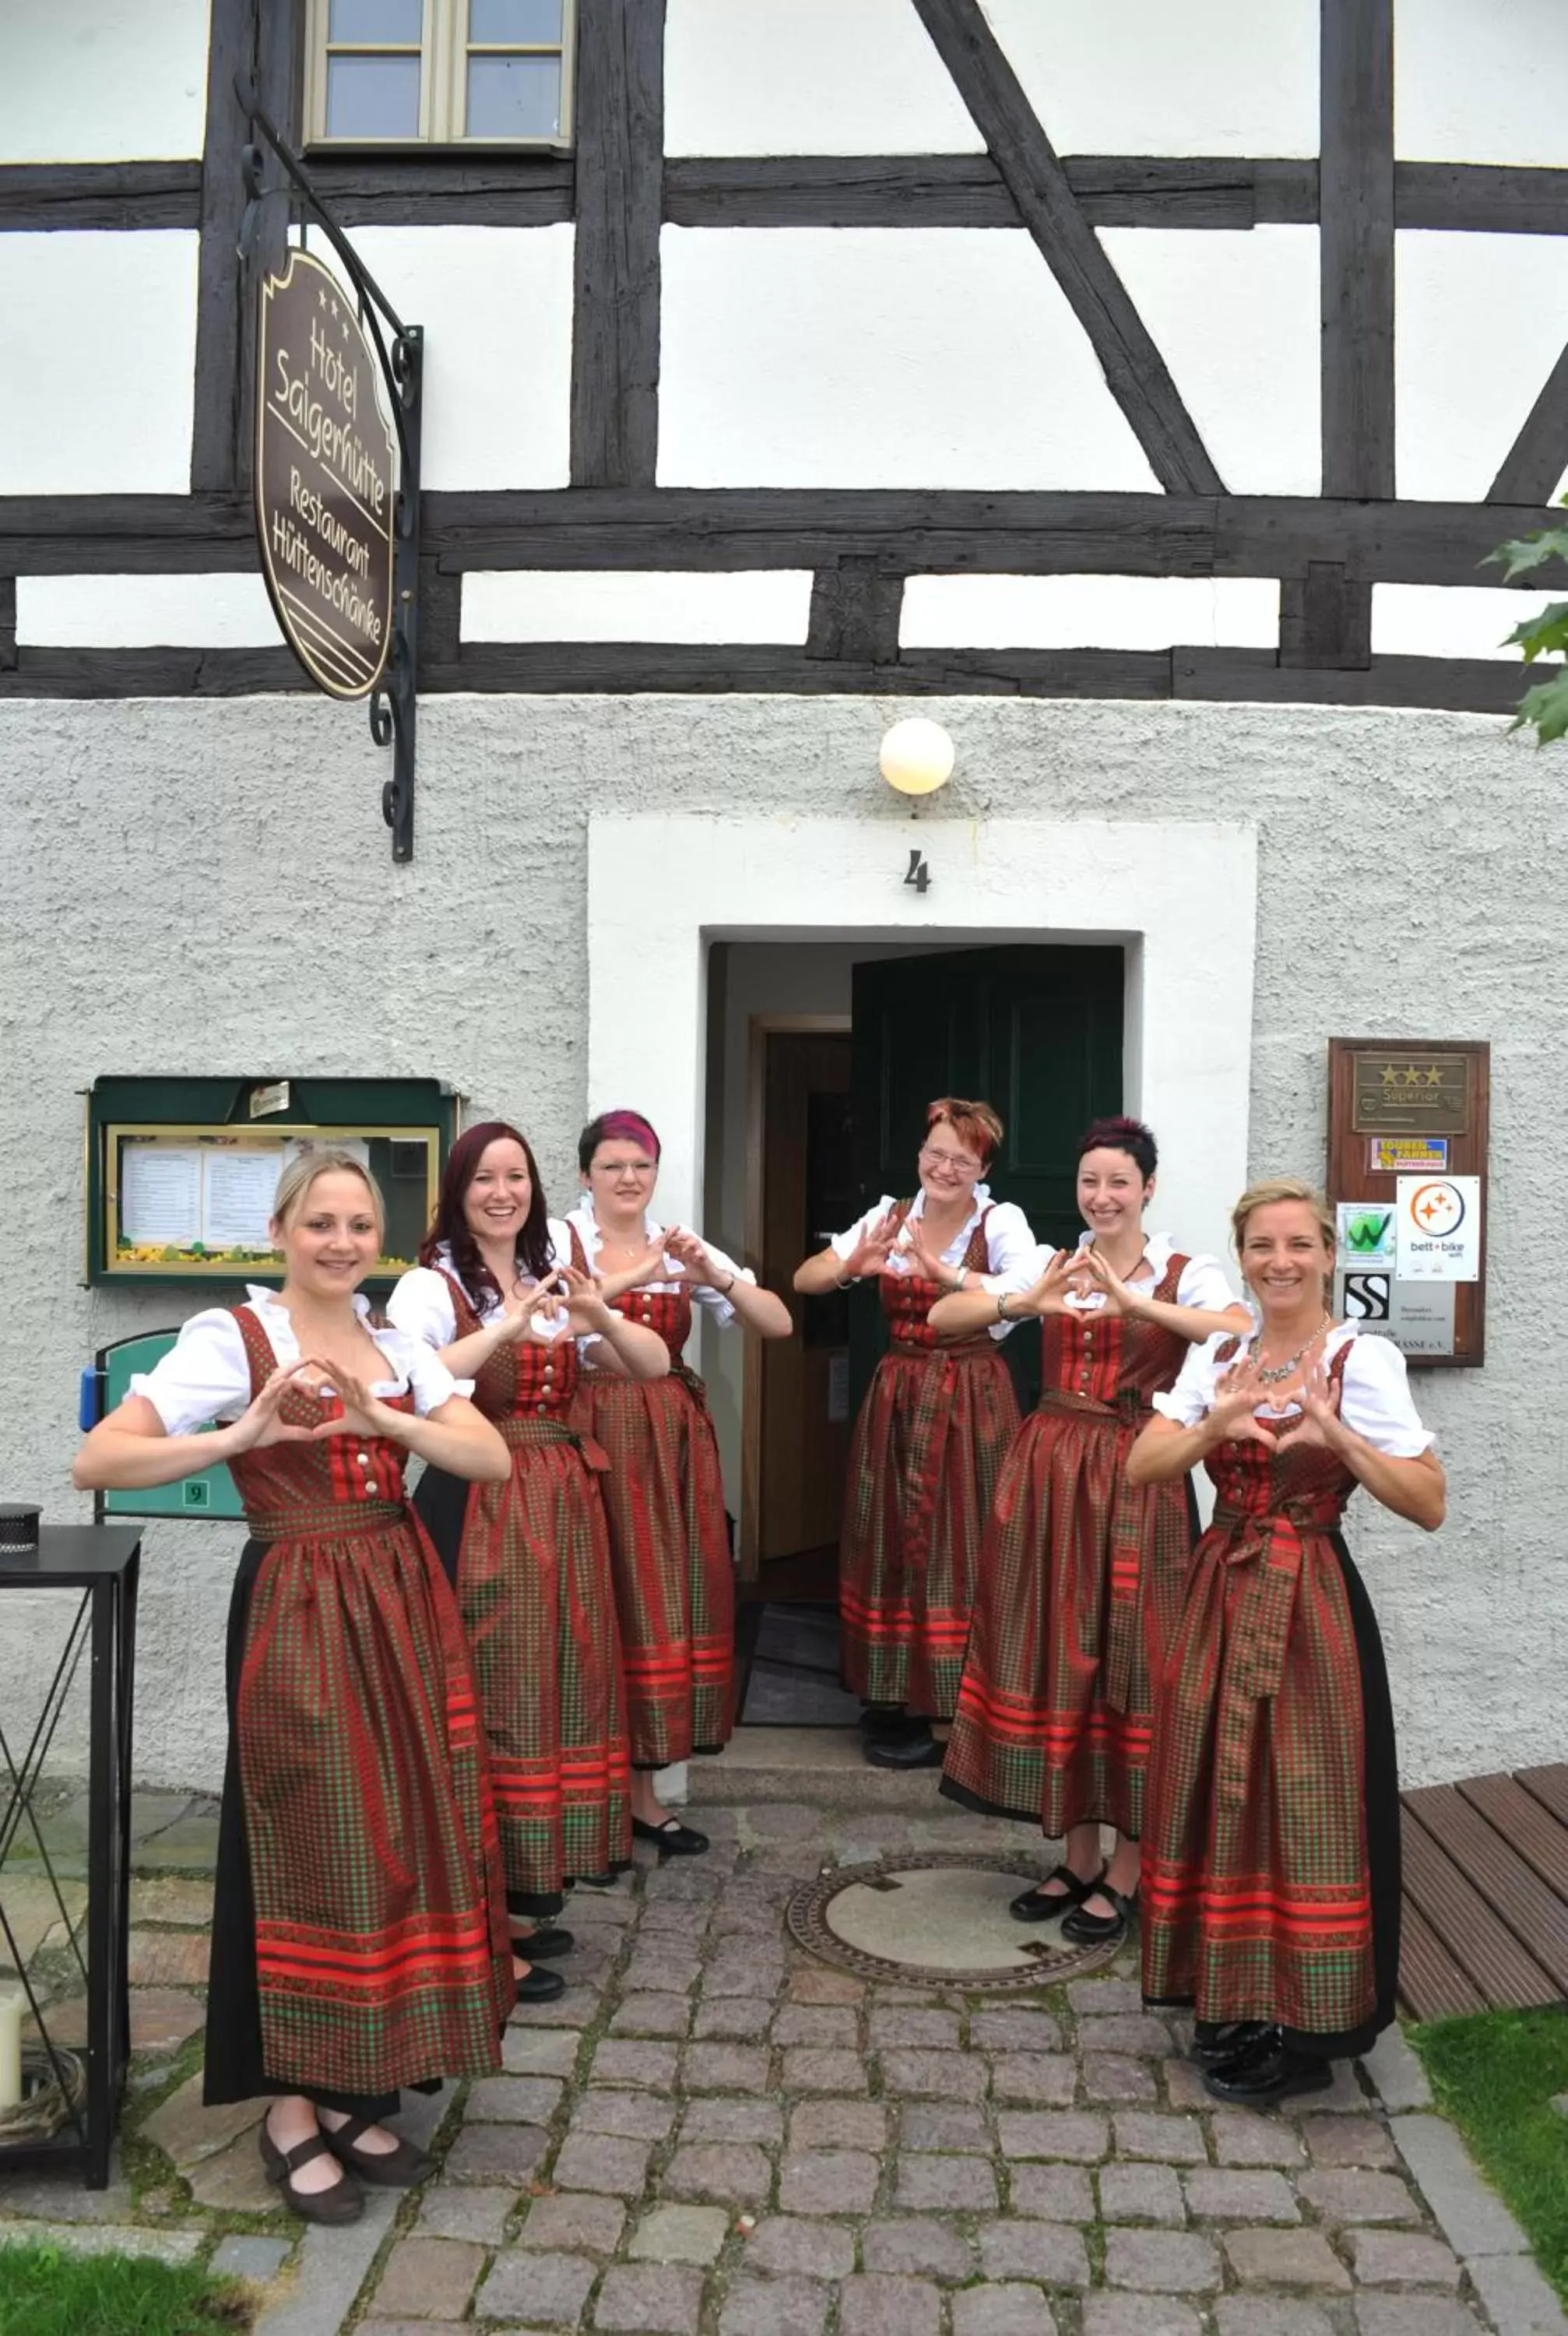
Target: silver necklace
1272	1375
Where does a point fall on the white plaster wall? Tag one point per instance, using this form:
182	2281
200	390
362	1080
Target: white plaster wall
1457	620
1235	318
496	305
1208	77
1067	612
161	855
99	349
1478	81
807	77
879	357
550	605
1480	320
111	80
207	612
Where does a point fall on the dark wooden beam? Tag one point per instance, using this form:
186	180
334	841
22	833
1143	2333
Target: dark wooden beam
7	623
214	421
152	673
904	531
1356	246
969	190
1325	619
439	618
528	668
1134	368
36	197
452	187
1481	198
854	613
615	339
1539	455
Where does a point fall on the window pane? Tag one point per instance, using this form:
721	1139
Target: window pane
375	20
531	22
514	97
373	97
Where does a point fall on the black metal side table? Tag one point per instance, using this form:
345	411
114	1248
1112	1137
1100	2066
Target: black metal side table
102	1562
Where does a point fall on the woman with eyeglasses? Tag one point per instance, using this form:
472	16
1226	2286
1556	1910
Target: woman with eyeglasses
937	1419
1081	1574
663	1490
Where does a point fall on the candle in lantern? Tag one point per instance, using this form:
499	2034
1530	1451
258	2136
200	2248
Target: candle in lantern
11	2001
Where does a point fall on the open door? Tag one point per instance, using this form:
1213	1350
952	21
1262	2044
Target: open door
1033	1029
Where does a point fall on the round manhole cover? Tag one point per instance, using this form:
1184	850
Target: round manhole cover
941	1920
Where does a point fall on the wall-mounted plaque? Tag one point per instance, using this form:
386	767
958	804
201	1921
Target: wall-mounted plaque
325	478
1408	1135
1402	1092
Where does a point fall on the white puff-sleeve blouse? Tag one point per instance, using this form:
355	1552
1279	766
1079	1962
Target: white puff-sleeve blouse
421	1304
1010	1244
206	1374
1374	1391
714	1301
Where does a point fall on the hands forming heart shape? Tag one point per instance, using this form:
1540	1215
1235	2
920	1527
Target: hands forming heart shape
1311	1412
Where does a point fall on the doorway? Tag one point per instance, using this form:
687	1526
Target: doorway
834	1111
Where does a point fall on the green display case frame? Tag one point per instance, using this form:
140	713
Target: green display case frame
379	1112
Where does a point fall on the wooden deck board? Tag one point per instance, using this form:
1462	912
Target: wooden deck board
1517	1896
1526	1824
1549	1786
1431	1984
1473	1934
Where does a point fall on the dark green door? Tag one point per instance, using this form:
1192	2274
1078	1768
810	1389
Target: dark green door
1032	1029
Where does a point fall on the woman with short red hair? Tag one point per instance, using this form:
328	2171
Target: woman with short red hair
937	1419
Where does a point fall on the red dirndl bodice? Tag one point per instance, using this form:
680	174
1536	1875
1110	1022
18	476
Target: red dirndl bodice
520	1379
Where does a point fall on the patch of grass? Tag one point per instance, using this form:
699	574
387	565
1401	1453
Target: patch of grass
44	2291
1494	2074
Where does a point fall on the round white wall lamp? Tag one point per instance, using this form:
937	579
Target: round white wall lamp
917	756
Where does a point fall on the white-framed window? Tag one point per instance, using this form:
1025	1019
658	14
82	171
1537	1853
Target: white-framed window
438	72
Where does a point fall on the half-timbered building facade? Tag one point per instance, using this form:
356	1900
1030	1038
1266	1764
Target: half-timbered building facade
1136	391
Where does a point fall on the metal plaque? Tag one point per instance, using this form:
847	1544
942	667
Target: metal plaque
325	478
1411	1093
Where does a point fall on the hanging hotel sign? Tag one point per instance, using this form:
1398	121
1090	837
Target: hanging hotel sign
325	478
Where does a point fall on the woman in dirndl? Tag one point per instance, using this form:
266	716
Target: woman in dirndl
936	1421
1081	1572
663	1490
1272	1872
503	1296
359	1929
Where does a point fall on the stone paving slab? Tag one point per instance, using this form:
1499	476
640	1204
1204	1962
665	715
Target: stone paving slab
714	2135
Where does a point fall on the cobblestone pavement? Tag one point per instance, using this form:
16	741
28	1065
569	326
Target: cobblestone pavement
713	2133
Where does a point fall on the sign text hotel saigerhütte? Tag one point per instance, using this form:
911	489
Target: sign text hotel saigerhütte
326	478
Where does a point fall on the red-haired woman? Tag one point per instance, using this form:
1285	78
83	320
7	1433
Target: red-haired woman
1081	1574
499	1296
1272	1873
937	1419
663	1491
358	1931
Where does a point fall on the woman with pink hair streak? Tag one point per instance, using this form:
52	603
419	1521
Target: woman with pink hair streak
663	1491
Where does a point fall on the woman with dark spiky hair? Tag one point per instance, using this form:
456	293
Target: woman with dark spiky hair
1081	1575
503	1295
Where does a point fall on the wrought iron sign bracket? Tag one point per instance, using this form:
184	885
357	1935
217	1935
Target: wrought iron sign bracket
392	699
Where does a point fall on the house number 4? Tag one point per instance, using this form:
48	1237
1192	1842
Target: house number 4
918	872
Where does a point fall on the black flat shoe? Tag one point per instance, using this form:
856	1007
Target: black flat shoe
384	2169
671	1838
543	1946
343	2202
1086	1930
1038	1904
536	1986
1269	2071
591	1881
1215	2041
885	1723
916	1751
